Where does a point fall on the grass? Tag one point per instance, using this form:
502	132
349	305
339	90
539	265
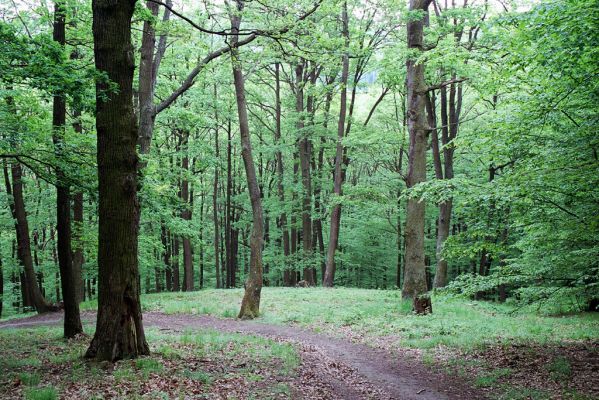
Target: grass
455	323
37	363
454	336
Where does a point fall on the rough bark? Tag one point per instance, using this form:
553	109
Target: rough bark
119	328
329	276
414	286
70	293
215	218
250	305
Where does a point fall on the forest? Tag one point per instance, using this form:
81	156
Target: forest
307	199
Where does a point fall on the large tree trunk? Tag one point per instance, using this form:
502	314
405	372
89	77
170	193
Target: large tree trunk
119	329
414	286
250	305
70	293
329	276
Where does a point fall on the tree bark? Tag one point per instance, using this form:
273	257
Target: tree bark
250	305
215	218
70	293
287	273
186	215
329	276
1	285
303	144
119	328
414	286
32	294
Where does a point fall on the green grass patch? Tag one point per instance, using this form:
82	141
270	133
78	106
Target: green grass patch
45	393
455	323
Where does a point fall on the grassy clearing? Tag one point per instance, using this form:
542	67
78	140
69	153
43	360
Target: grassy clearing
455	323
38	364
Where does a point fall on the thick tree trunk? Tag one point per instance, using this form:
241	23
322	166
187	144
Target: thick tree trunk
70	293
119	329
329	276
250	305
414	286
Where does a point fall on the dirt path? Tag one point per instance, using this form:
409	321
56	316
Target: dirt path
354	371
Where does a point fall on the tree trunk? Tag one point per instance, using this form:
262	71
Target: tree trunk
70	292
287	274
329	276
303	144
1	285
119	329
201	237
77	234
186	215
414	286
250	305
32	293
175	264
215	218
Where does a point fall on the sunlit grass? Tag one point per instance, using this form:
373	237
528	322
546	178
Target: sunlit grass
381	313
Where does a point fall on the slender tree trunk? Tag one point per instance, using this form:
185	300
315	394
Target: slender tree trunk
250	305
77	234
303	144
201	237
119	329
175	264
287	273
215	207
166	245
1	285
70	293
414	286
329	276
186	215
33	293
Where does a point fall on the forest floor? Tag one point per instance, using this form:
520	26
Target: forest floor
313	344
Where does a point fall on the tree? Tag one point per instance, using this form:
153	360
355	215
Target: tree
329	275
415	286
250	305
72	320
119	328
